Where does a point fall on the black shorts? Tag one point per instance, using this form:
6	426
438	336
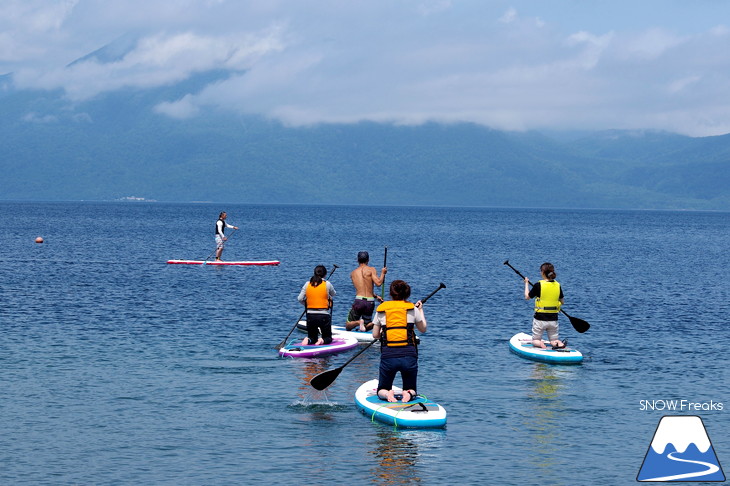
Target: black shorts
362	309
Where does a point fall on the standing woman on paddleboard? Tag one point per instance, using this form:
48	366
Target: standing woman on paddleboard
220	237
548	297
394	324
317	296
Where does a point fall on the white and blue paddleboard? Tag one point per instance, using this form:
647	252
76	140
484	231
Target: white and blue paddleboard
521	344
420	412
361	336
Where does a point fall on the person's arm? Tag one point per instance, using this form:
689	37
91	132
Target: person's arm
219	228
377	322
231	226
421	323
331	290
303	295
378	281
527	289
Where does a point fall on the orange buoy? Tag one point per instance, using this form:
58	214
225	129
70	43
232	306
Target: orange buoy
39	240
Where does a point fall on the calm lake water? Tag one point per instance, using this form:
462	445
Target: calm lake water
117	368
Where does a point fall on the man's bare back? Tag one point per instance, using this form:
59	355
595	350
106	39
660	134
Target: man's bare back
364	278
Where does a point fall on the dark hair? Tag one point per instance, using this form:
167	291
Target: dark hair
363	257
400	290
548	270
221	214
320	271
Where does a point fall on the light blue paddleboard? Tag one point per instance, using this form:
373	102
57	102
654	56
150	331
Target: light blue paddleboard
418	413
521	344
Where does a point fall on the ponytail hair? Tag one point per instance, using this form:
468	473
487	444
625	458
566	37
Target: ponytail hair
400	290
320	271
548	270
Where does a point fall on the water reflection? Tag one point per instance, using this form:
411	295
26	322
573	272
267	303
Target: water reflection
397	458
311	368
546	411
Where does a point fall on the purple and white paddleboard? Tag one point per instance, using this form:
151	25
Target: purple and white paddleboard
295	349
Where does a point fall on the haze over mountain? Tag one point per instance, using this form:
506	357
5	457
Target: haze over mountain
125	143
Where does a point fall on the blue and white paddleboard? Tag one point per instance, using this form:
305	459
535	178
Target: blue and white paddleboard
521	344
418	413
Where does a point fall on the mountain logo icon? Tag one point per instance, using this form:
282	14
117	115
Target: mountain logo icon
680	451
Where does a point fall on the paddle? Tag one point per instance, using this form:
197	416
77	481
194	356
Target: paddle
326	378
211	253
385	264
578	324
283	343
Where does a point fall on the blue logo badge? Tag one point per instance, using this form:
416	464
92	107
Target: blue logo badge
680	451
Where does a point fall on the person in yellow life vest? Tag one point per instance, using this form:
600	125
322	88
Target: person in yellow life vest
395	324
548	297
317	296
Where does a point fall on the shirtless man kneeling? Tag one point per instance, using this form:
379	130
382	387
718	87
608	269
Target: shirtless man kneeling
364	278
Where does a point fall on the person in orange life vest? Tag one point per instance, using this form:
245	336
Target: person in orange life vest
548	295
394	324
317	296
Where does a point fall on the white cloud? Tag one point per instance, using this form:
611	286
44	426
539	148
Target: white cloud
38	118
181	109
405	62
509	16
157	60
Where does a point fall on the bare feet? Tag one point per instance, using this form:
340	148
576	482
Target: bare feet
407	396
305	341
559	344
319	342
388	395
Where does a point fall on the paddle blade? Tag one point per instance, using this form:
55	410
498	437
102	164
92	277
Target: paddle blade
578	324
325	379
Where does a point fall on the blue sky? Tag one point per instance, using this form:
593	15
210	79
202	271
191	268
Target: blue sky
559	64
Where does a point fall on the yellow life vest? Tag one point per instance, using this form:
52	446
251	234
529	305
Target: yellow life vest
548	302
397	331
317	297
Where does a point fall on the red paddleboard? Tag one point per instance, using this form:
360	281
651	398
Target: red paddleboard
213	262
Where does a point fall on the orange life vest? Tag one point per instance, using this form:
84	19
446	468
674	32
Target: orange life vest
317	297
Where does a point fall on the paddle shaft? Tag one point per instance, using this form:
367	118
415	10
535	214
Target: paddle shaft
335	372
211	253
579	324
334	267
385	264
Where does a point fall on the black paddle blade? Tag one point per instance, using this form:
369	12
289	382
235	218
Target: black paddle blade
325	379
578	324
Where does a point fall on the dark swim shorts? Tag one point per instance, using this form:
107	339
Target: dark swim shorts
362	308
